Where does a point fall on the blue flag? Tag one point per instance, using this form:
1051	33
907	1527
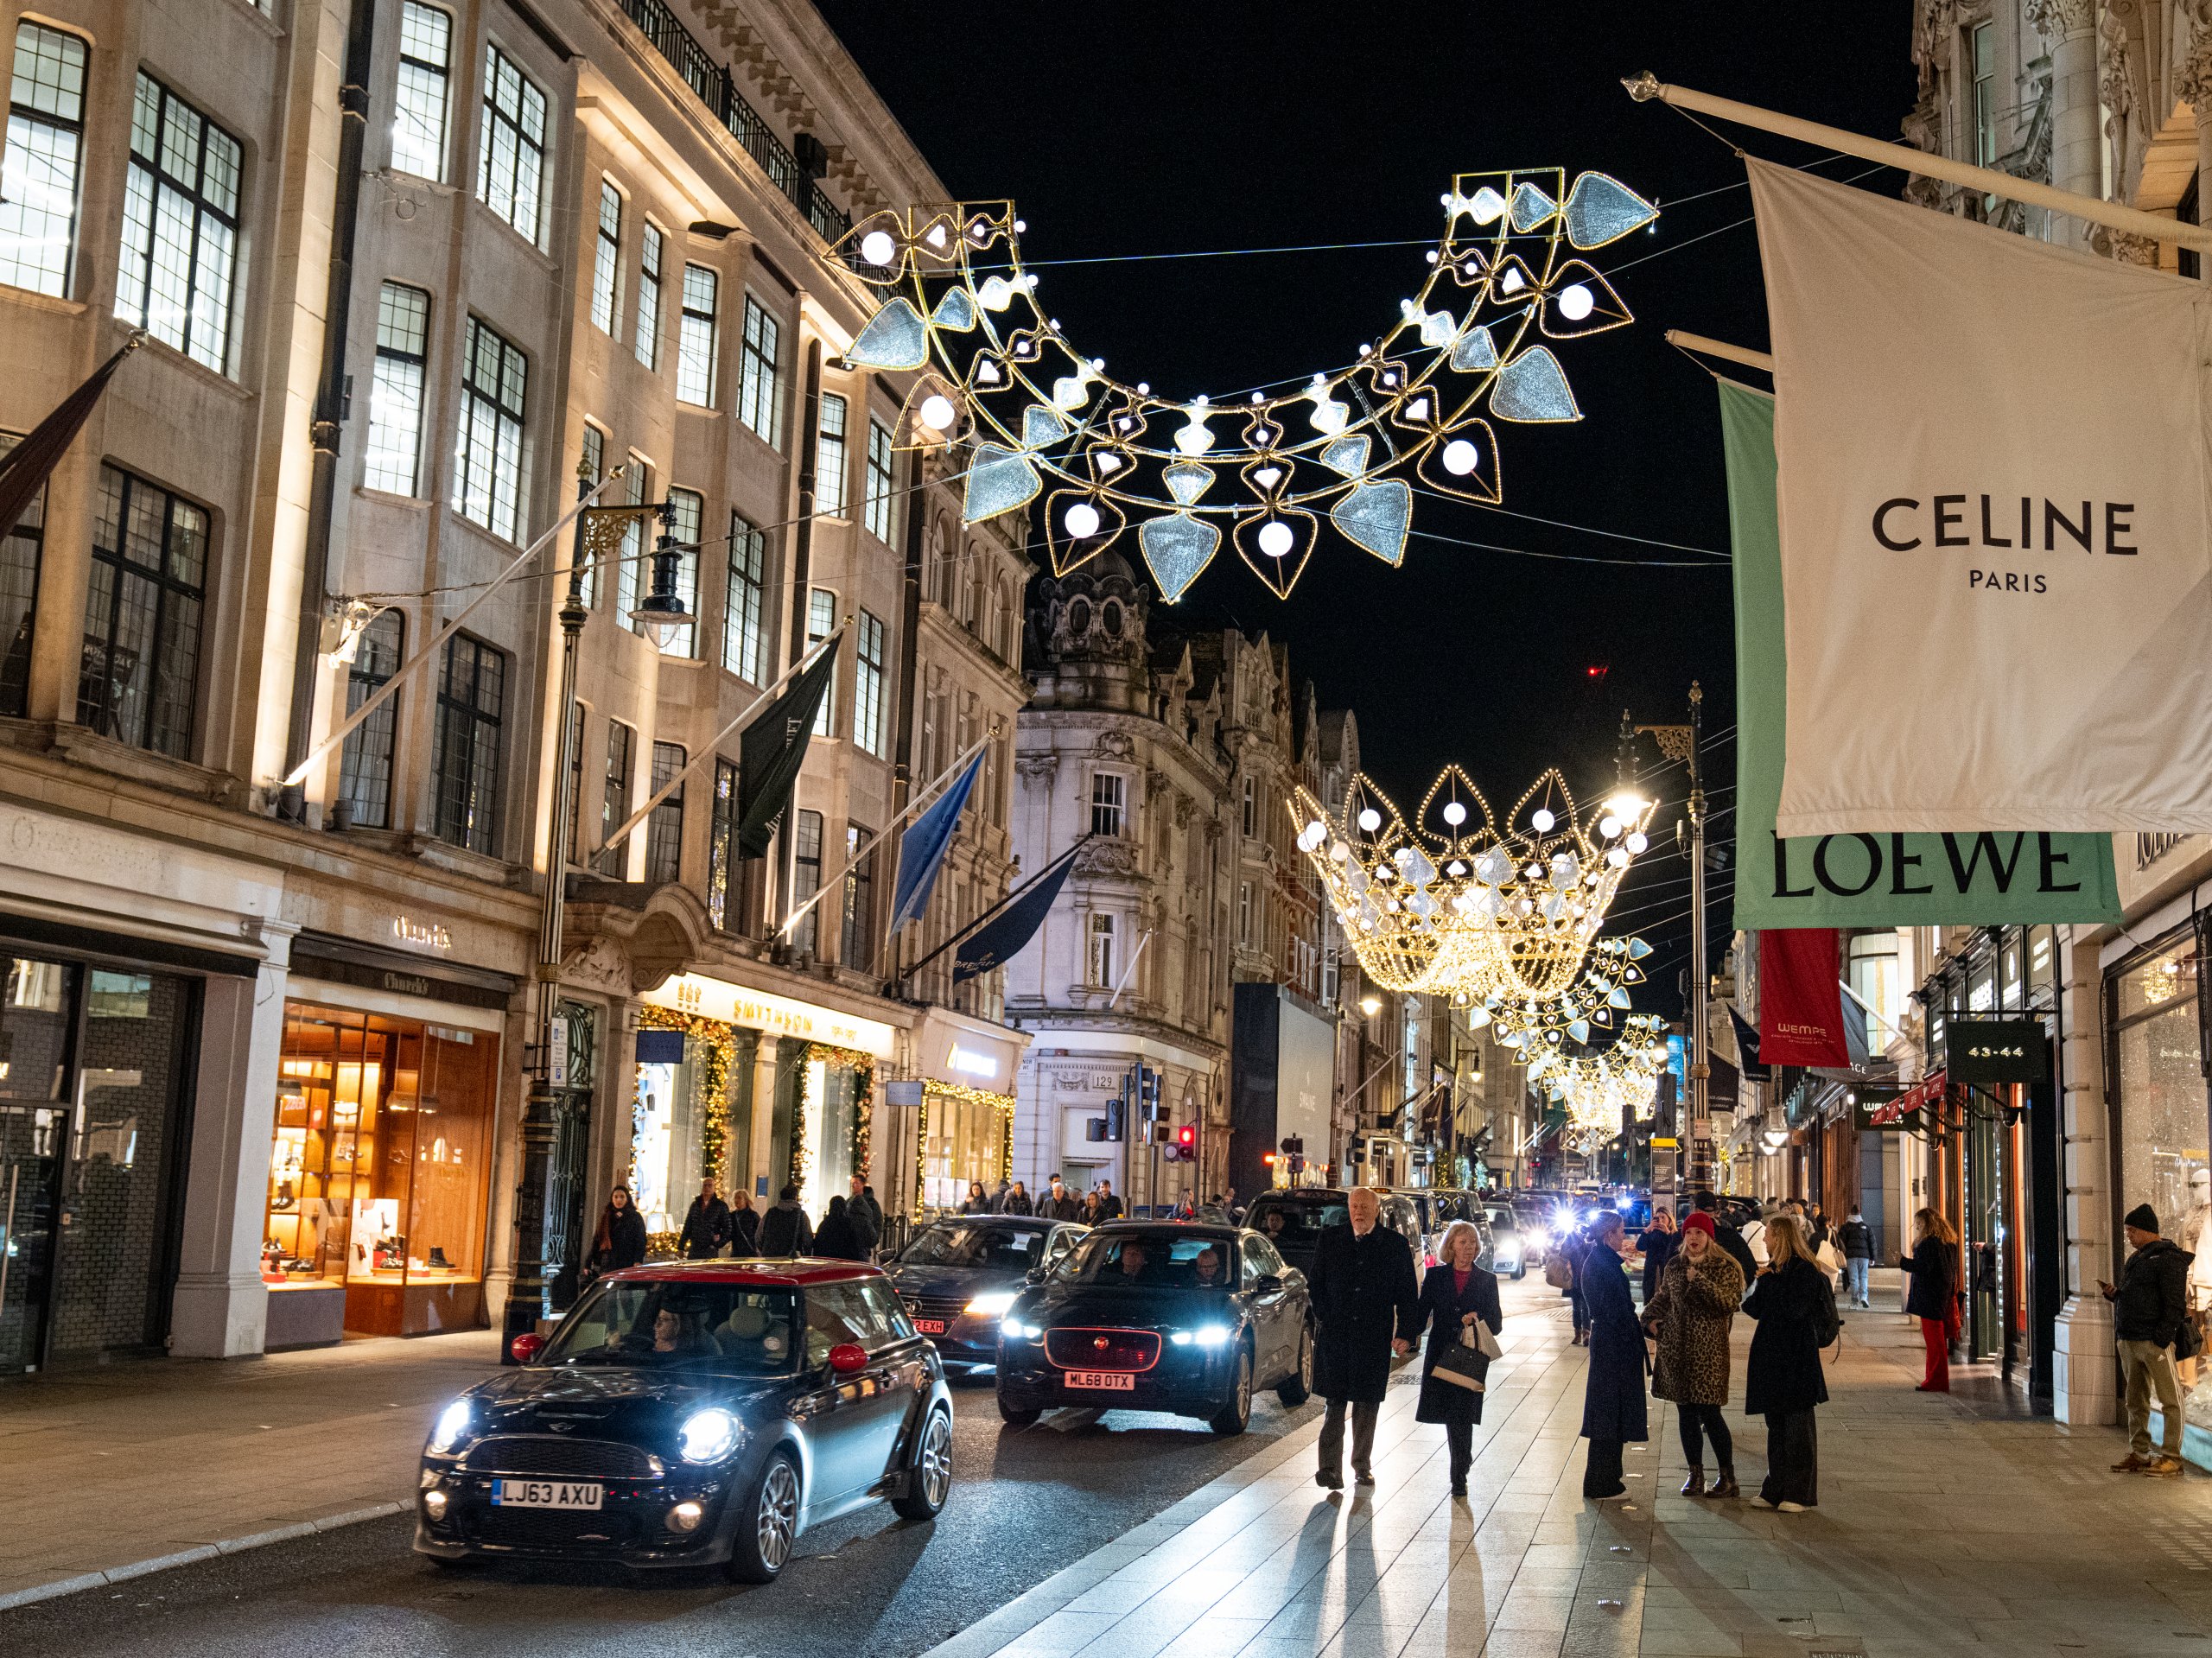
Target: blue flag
922	848
1016	925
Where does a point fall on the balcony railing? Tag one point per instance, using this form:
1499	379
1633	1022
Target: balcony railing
718	92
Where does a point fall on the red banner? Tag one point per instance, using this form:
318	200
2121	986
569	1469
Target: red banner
1800	998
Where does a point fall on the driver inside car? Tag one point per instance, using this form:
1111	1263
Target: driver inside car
1207	1265
1134	1263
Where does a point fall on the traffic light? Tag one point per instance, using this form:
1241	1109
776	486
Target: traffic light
1186	1142
1116	1121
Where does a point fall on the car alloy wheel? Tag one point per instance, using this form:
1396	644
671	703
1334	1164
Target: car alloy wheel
930	1482
1299	1387
765	1535
1239	1412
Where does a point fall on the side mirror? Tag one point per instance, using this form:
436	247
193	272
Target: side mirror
525	1349
1267	1283
1035	1275
845	1357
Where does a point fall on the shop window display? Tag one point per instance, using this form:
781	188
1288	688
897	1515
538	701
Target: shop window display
963	1138
378	1175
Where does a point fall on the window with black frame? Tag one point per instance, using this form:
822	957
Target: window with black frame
21	553
472	709
856	949
143	611
664	828
806	877
364	765
613	862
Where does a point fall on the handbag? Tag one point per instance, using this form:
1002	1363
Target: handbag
1462	1365
1485	1340
1559	1271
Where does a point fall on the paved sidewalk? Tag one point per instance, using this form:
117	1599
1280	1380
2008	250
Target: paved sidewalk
141	1465
1944	1527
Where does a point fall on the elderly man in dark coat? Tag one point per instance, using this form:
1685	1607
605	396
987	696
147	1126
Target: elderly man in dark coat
1366	1307
1613	1406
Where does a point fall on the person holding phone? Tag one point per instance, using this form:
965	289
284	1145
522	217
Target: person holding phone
2148	1305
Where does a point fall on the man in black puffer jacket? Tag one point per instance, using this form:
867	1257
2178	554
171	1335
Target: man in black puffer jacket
2148	1308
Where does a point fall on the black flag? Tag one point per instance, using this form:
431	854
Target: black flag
1017	922
770	751
23	471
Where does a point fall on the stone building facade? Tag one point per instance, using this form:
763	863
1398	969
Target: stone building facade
586	234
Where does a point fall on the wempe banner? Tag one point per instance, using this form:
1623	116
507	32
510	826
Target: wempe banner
1997	589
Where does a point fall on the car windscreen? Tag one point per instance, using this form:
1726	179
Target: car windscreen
726	1329
953	1243
1150	1261
1502	1220
1296	1221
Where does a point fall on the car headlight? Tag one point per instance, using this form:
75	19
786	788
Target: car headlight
709	1435
452	1426
1017	1331
1204	1336
992	1304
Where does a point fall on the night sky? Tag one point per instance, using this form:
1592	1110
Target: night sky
1123	130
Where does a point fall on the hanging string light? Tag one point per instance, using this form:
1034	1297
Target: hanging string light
993	372
1497	916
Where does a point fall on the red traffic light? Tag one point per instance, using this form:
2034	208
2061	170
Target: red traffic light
1187	1135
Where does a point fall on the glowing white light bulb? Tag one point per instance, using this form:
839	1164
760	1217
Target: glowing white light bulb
878	249
1460	457
1454	813
1276	539
936	412
1617	858
1081	520
1576	301
1370	820
1637	842
1543	819
1609	826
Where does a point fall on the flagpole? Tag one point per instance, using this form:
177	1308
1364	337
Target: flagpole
996	910
1129	972
406	669
1705	346
2111	214
630	822
869	845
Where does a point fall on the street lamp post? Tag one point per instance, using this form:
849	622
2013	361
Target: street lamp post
1681	743
599	530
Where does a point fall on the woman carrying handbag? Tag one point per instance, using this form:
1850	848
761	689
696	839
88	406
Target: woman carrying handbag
1459	1303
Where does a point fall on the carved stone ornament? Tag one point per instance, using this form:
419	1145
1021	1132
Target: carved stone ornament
1104	856
2057	19
1115	745
1036	769
2124	246
600	964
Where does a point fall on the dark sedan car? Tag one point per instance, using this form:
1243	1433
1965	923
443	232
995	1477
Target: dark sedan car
1294	1218
688	1412
959	1276
1182	1316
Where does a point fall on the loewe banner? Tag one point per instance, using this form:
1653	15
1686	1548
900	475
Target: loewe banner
1996	563
1866	880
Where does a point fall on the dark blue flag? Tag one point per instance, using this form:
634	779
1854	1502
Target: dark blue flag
1747	1043
922	848
1002	938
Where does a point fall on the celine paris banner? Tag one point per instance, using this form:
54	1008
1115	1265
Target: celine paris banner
1997	589
1979	879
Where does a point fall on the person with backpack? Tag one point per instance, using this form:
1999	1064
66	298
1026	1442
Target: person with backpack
1795	1306
2149	1309
1856	1239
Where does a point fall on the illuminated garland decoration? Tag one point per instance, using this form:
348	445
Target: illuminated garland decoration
718	1045
1001	379
1494	917
1002	1103
1600	1092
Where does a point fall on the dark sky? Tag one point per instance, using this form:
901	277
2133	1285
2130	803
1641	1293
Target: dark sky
1126	130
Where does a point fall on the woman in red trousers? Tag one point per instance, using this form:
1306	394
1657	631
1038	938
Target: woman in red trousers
1934	1298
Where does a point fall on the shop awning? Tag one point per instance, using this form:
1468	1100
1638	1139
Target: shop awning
1927	1088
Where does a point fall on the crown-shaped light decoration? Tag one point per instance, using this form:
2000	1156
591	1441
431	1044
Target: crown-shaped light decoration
1457	904
1035	416
1603	1092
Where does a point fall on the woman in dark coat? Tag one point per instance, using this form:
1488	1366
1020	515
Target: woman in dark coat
1613	1406
978	1203
620	1241
1657	1243
1783	1380
836	1238
1933	1297
1455	1292
744	1224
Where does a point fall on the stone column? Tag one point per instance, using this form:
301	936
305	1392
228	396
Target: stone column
2083	1381
221	1309
764	1116
2068	32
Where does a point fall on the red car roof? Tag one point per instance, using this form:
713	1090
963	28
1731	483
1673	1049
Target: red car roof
799	1271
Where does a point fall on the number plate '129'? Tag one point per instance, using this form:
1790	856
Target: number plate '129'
546	1494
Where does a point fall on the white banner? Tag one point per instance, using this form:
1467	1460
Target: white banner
1997	589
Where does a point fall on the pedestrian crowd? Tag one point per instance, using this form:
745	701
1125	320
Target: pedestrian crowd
714	1227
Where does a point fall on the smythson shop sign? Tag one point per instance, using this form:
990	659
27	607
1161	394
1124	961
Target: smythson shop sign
1983	878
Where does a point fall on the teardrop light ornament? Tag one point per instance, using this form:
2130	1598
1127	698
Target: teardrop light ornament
1600	209
1274	544
895	338
1463	461
1376	515
999	480
1178	547
1531	389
